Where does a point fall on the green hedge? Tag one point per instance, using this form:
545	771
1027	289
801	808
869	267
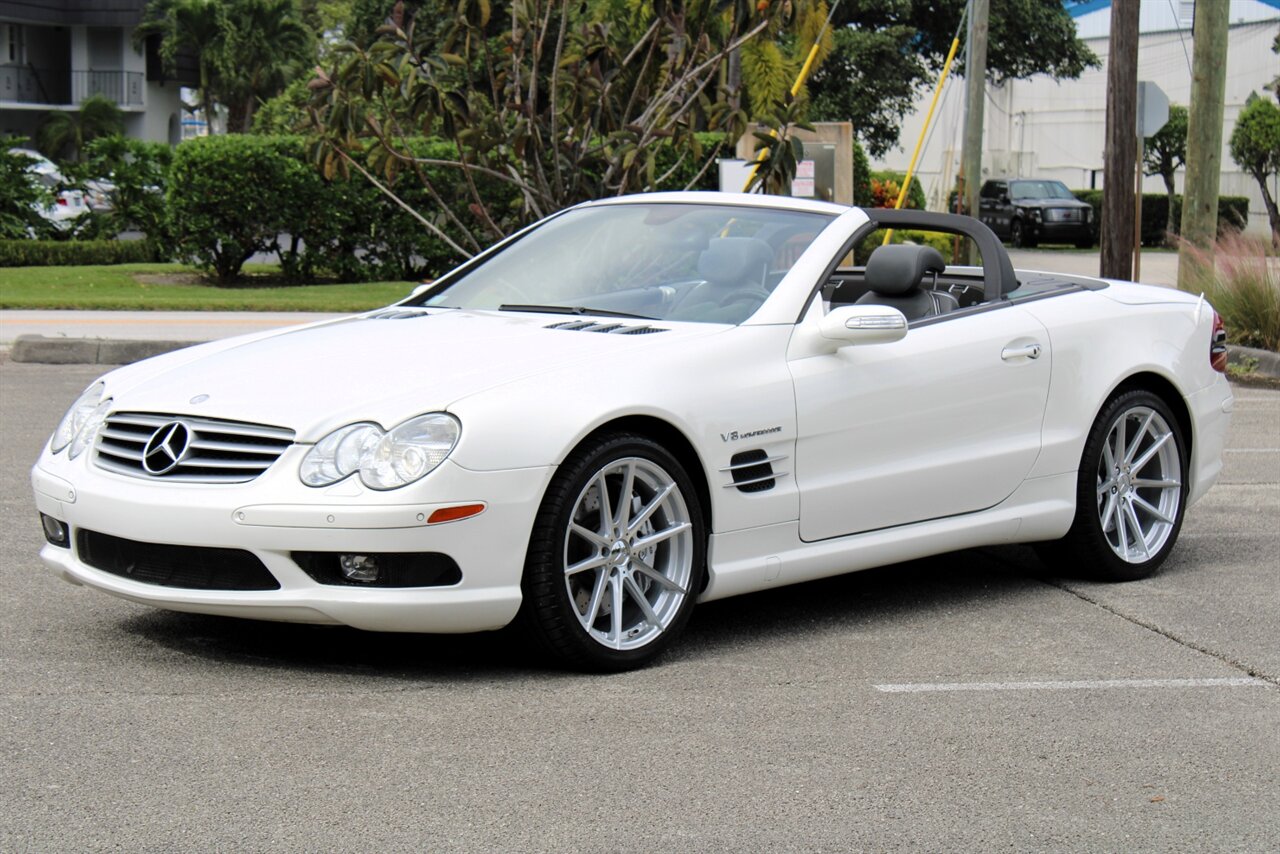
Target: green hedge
1233	213
66	253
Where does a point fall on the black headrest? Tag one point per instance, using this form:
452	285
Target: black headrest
735	261
897	268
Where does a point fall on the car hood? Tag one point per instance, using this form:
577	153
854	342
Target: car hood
384	366
1051	203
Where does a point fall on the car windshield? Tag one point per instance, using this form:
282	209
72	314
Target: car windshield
1039	190
661	261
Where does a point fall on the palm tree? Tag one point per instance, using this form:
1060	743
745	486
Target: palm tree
194	27
266	45
63	132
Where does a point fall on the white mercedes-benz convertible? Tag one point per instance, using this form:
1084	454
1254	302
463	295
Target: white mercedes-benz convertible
635	405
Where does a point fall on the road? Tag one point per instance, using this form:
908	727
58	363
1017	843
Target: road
774	726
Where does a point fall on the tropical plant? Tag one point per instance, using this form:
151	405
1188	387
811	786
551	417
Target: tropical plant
560	101
1255	145
194	27
64	134
246	50
264	46
777	151
138	173
1164	154
20	196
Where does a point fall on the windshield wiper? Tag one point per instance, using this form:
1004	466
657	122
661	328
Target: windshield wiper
572	309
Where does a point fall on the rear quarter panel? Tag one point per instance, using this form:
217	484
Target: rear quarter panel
1100	339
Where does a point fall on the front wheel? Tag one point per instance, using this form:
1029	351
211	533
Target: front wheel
1018	234
616	557
1131	493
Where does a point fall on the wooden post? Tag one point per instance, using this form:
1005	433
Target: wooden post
1116	260
1137	212
975	83
1204	137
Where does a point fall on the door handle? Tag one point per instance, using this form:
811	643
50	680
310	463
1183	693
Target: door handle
1029	351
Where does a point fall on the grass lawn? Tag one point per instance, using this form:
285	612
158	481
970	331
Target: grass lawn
174	287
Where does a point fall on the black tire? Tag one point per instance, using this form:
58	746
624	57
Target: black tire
1092	549
553	612
1084	243
1018	235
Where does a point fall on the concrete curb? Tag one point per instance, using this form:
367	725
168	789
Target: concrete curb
1266	364
88	351
107	351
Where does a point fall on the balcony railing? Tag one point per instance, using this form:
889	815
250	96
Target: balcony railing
60	86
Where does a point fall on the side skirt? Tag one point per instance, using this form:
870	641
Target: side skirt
773	555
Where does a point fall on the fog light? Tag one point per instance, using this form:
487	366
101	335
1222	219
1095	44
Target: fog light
359	568
54	531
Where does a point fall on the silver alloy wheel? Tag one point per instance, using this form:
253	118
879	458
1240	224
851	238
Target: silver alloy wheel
1139	484
628	553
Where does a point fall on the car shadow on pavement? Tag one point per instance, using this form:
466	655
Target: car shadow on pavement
797	613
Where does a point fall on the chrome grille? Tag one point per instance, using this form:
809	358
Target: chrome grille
216	451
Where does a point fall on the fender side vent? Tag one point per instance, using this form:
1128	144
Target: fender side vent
752	471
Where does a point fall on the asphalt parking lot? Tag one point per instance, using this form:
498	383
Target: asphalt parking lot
964	702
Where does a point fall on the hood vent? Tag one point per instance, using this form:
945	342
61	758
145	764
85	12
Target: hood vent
398	314
597	326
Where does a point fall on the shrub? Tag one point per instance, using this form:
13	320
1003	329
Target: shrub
861	176
1233	213
915	193
230	196
140	173
66	253
1242	282
20	196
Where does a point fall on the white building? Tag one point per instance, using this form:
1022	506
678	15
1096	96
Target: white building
55	53
1040	127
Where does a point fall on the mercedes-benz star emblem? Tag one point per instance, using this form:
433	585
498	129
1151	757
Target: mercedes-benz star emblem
166	448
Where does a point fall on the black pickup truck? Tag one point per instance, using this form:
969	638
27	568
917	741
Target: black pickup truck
1027	211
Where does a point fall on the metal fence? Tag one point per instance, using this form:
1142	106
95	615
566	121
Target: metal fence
60	86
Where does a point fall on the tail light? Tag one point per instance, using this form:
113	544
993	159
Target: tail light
1218	345
62	200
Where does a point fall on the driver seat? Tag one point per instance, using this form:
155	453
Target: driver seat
730	267
894	274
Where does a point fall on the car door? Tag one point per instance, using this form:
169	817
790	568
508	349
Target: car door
992	211
944	422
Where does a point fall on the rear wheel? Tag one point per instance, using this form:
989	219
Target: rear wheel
616	557
1131	493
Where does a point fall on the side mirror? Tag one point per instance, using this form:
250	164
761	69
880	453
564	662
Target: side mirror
1004	199
863	324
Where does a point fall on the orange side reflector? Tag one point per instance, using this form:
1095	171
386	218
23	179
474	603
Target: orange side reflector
453	514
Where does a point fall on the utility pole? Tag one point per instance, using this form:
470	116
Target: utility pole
1204	137
975	85
1119	159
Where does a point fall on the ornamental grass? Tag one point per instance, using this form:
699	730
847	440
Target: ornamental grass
1242	282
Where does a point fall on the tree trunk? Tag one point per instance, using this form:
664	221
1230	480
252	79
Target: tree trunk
1204	140
1273	215
1118	159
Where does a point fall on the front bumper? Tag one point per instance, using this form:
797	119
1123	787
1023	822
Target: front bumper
275	515
1064	232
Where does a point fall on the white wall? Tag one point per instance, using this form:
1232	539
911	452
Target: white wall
1057	130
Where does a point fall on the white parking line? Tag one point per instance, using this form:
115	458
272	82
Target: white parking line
1080	685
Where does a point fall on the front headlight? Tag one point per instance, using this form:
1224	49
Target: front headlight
385	460
77	417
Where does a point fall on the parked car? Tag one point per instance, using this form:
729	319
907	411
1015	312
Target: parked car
635	405
1029	211
66	204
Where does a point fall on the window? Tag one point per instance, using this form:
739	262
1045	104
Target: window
14	44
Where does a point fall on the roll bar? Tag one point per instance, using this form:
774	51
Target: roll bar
998	277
